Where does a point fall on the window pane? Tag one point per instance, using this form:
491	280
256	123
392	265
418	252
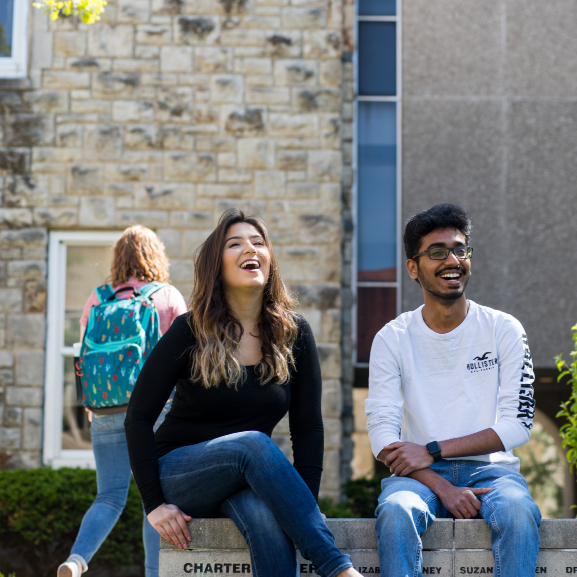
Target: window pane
377	7
86	267
375	308
377	191
6	19
75	425
377	58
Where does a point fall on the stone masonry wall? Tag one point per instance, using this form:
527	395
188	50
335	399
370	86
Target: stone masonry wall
165	113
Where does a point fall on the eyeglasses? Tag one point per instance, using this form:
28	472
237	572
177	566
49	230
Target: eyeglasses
442	252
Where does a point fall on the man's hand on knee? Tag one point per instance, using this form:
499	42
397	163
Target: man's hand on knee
405	458
461	502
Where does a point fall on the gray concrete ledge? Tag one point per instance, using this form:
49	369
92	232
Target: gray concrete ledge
450	548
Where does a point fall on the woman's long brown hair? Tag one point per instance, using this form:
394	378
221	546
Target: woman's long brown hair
138	254
216	328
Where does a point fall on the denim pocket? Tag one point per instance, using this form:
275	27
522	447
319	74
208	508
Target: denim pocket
101	422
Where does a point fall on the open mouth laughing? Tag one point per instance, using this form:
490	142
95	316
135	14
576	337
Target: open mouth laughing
452	277
250	264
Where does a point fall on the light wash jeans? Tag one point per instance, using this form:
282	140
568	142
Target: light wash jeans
246	477
113	478
406	508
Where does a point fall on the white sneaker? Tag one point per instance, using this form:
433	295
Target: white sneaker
72	567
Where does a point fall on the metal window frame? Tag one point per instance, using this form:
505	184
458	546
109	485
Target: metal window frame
398	100
16	66
53	455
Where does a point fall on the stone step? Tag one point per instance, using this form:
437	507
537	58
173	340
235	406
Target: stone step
451	548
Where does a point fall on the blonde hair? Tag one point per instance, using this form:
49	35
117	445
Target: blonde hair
138	254
217	329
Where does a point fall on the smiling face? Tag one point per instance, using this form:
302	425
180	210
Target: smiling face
245	258
445	280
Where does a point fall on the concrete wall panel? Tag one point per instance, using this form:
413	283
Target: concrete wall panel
452	47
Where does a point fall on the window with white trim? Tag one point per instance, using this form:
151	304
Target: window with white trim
377	264
13	38
377	164
77	262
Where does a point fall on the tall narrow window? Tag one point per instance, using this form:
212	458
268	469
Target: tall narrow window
377	183
78	262
377	193
13	38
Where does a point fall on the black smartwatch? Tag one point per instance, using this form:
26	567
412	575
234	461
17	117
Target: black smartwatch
434	450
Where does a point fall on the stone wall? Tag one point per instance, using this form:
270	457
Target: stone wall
165	113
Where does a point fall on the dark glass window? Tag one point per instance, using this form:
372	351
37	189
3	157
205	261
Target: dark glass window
377	7
377	59
6	20
376	307
377	191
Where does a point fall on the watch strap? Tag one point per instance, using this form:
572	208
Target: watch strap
434	450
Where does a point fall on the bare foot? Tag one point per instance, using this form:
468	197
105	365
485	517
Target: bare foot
349	572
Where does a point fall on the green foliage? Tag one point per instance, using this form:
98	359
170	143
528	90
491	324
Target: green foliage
5	47
568	410
45	506
361	499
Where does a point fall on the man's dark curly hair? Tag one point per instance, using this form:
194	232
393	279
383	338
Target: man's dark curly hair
439	216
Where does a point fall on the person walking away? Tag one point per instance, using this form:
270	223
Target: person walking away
139	272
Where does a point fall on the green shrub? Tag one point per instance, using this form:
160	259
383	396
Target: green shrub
360	501
43	508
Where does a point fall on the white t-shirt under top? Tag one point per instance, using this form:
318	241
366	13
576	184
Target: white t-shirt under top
425	386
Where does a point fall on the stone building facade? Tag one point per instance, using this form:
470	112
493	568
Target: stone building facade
165	113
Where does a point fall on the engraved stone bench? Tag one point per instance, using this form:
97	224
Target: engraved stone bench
450	548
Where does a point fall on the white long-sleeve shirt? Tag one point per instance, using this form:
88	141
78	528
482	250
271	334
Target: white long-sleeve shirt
425	386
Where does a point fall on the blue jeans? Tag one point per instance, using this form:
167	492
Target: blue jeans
113	478
246	477
406	508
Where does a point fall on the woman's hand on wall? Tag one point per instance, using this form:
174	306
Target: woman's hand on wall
170	522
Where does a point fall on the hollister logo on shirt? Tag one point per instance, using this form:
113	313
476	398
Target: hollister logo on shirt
482	363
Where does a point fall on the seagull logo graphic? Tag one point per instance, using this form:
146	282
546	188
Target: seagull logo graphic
483	358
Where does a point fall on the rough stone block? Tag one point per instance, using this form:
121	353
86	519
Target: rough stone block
14	160
176	59
65	80
28	238
197	30
10	300
32	434
54	217
150	218
127	172
109	85
133	10
6	377
24	396
28	130
294	125
111	40
239	37
267	95
256	153
296	72
25	331
12	416
6	357
187	219
26	269
324	165
29	368
10	438
318	99
153	34
97	212
164	196
69	44
213	59
103	142
227	88
174	104
244	121
270	183
191	167
132	110
284	43
302	18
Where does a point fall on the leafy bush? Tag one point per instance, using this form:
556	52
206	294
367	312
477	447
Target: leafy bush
568	410
361	499
41	511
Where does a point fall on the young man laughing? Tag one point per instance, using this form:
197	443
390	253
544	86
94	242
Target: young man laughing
450	396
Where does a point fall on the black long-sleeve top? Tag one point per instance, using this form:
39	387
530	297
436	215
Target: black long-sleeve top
199	414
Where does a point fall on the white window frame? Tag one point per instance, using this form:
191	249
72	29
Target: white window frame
16	66
53	455
398	100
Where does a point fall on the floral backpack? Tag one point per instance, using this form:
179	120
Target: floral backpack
119	336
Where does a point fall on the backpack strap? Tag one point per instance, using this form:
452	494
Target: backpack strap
104	292
150	288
